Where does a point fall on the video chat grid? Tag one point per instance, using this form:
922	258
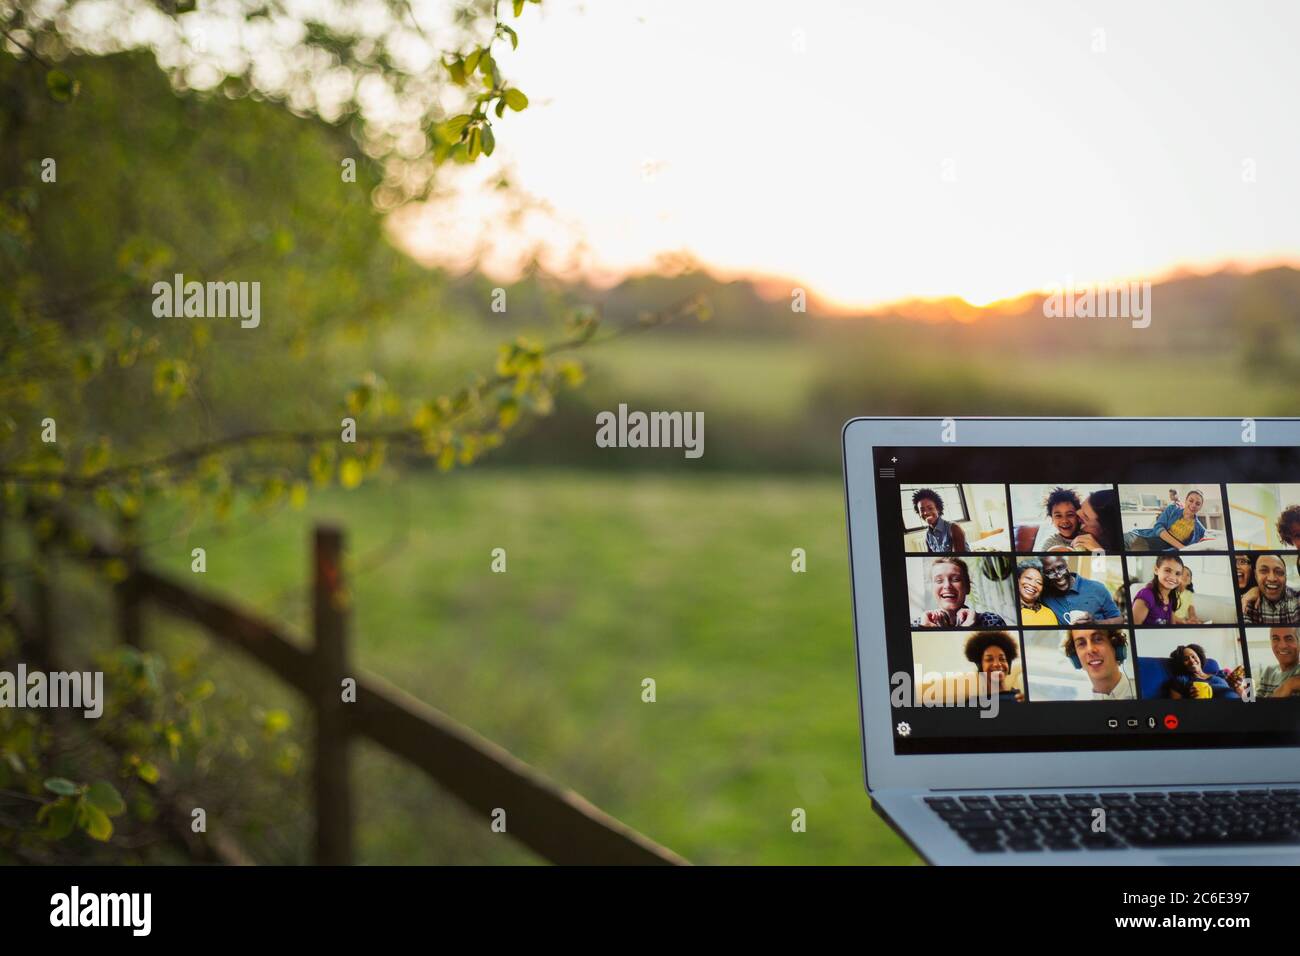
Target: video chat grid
1113	546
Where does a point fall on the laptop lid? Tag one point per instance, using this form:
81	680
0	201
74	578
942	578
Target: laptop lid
1026	593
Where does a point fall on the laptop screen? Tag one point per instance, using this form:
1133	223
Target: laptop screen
1047	599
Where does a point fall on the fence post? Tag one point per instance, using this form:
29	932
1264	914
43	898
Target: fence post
330	665
126	593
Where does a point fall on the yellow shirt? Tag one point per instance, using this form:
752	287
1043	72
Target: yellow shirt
1044	615
1182	529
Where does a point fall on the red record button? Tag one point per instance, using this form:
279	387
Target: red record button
1171	722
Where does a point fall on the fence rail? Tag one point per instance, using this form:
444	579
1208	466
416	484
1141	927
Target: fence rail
554	822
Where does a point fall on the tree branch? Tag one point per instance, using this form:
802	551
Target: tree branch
183	457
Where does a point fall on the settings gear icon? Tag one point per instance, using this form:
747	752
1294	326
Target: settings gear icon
903	728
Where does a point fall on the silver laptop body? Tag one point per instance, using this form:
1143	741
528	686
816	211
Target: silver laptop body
900	784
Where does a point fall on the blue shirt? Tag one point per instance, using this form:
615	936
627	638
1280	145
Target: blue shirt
938	540
1218	686
1084	595
1167	517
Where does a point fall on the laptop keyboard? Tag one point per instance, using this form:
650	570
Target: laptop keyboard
1028	823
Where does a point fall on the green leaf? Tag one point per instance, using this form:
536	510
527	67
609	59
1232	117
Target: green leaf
489	140
62	88
358	398
472	60
147	772
321	466
171	378
61	786
507	413
514	37
455	126
276	722
96	822
519	7
104	796
351	471
516	100
60	820
475	143
572	373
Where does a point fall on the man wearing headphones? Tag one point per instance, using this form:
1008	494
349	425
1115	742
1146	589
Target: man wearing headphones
1099	653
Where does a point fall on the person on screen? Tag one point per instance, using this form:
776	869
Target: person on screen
1099	521
1271	601
1075	599
1282	679
941	537
1029	590
1177	527
1190	680
1098	654
1173	497
950	585
1063	506
1184	609
1155	603
1288	526
1245	572
992	653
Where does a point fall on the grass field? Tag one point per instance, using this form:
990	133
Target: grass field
773	380
611	579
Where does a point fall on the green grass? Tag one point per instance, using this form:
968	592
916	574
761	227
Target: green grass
611	579
1191	386
772	380
767	380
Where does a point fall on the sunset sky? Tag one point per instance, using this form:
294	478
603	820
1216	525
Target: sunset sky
874	152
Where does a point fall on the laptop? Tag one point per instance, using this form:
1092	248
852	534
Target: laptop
1077	638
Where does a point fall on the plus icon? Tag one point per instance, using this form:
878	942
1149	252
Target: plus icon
894	460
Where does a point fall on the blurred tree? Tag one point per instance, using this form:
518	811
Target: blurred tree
114	184
225	143
1265	315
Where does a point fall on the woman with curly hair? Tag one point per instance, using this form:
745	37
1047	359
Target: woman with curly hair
941	536
992	653
1190	680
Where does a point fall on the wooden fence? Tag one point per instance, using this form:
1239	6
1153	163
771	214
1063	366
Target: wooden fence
556	823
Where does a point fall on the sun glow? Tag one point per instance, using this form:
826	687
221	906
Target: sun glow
873	153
